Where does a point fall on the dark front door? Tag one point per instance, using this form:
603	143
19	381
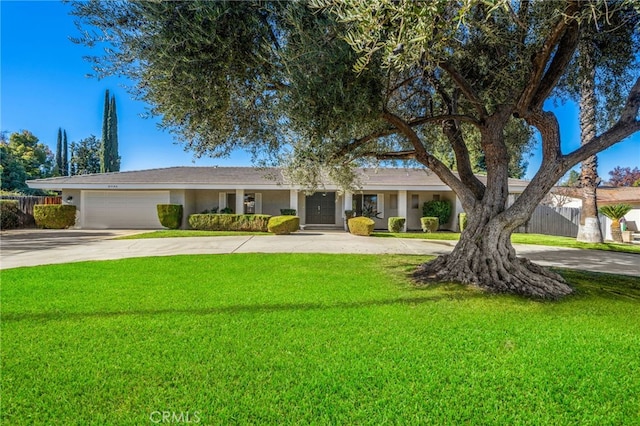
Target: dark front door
321	208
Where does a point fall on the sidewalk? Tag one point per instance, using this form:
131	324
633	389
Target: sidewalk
38	247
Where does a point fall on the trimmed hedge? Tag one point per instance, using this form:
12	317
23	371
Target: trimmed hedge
288	212
440	209
462	220
170	215
283	225
361	225
54	216
229	222
396	224
429	224
9	214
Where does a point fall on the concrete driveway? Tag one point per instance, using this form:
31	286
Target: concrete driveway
40	247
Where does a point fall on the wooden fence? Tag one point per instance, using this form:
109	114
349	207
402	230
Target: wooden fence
559	221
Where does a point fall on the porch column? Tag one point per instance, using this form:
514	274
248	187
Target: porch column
239	201
348	202
293	200
402	208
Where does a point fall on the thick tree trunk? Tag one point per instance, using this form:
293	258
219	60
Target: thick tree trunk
485	258
589	229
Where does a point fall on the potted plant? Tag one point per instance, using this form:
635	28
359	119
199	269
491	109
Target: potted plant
615	212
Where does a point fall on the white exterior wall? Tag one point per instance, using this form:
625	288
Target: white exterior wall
75	200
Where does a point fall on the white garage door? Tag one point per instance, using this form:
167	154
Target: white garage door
122	209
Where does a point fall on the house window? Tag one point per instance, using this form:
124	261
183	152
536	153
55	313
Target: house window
415	201
366	205
393	201
249	203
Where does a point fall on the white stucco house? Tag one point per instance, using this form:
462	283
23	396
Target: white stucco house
128	199
570	197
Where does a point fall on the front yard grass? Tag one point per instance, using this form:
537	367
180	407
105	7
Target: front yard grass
310	338
536	239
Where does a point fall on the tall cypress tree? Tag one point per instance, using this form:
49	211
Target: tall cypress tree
109	158
104	147
65	154
114	158
59	153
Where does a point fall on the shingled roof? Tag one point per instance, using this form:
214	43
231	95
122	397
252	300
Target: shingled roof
203	177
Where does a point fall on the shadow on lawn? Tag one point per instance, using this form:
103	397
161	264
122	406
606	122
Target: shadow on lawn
238	309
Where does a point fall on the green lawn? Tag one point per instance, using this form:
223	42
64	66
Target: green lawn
309	338
537	239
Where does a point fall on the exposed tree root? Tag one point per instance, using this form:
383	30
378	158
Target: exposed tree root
494	273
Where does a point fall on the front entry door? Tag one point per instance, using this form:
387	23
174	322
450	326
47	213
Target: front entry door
321	208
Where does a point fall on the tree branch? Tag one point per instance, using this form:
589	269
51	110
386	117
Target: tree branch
465	87
466	196
541	59
561	59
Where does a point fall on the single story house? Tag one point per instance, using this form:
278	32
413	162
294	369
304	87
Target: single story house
128	199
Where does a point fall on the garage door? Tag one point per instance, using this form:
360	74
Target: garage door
122	209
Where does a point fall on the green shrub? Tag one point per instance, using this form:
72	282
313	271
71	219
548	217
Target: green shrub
288	212
229	222
429	224
462	220
348	214
361	225
440	209
283	225
54	216
170	215
9	214
396	224
226	210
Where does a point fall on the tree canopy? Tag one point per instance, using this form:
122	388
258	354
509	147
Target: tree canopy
24	157
452	86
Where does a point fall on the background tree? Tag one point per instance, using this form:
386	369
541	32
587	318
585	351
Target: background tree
109	159
65	154
85	156
273	76
59	153
24	158
624	176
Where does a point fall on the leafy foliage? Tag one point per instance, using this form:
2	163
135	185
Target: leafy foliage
615	212
54	216
437	208
624	176
283	225
170	215
109	158
85	156
429	224
361	225
23	157
229	222
396	224
9	214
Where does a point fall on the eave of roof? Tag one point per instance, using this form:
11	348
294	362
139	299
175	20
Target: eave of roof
243	177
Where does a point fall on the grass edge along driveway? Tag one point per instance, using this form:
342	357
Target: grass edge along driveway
535	239
310	338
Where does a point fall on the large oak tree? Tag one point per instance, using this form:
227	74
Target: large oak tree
331	83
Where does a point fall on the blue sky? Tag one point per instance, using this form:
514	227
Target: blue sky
44	86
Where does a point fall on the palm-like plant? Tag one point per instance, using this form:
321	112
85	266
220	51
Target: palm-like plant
615	212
